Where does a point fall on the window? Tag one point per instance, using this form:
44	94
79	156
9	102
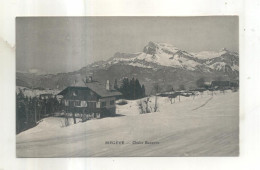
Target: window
103	104
77	103
98	105
75	93
66	102
70	103
73	103
91	104
112	102
84	104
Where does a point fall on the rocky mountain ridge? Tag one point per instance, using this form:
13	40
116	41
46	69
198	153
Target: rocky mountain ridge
159	63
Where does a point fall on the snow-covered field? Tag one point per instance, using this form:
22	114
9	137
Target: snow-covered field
205	126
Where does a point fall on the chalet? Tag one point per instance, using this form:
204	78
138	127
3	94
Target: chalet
89	98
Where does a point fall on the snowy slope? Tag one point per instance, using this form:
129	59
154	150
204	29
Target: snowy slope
204	55
205	126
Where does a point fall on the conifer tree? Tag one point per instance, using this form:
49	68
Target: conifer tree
132	89
115	84
138	89
143	91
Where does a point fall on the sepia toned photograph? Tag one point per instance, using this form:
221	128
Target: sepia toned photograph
127	86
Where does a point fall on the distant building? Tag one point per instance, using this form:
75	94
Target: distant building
223	84
90	97
46	96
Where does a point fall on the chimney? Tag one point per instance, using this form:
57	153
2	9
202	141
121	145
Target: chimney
107	85
90	79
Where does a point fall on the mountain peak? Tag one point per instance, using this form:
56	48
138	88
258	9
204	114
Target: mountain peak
160	44
150	48
156	54
154	47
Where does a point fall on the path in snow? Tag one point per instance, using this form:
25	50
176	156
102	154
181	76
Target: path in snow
203	104
211	130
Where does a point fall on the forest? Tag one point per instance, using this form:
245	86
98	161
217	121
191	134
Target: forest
30	110
131	89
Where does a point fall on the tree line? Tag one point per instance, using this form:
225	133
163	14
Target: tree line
29	110
131	89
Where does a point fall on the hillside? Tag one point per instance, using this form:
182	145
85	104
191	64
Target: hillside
205	126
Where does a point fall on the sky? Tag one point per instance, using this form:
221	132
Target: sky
63	44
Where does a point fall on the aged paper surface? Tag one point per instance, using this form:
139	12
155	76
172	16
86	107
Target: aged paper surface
82	83
134	9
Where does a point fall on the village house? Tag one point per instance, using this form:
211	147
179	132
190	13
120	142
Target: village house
90	97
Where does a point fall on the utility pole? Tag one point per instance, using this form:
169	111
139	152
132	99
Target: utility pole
35	115
39	112
45	108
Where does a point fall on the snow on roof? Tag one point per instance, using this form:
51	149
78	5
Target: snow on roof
97	87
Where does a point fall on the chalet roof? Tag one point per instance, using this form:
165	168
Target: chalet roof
97	87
